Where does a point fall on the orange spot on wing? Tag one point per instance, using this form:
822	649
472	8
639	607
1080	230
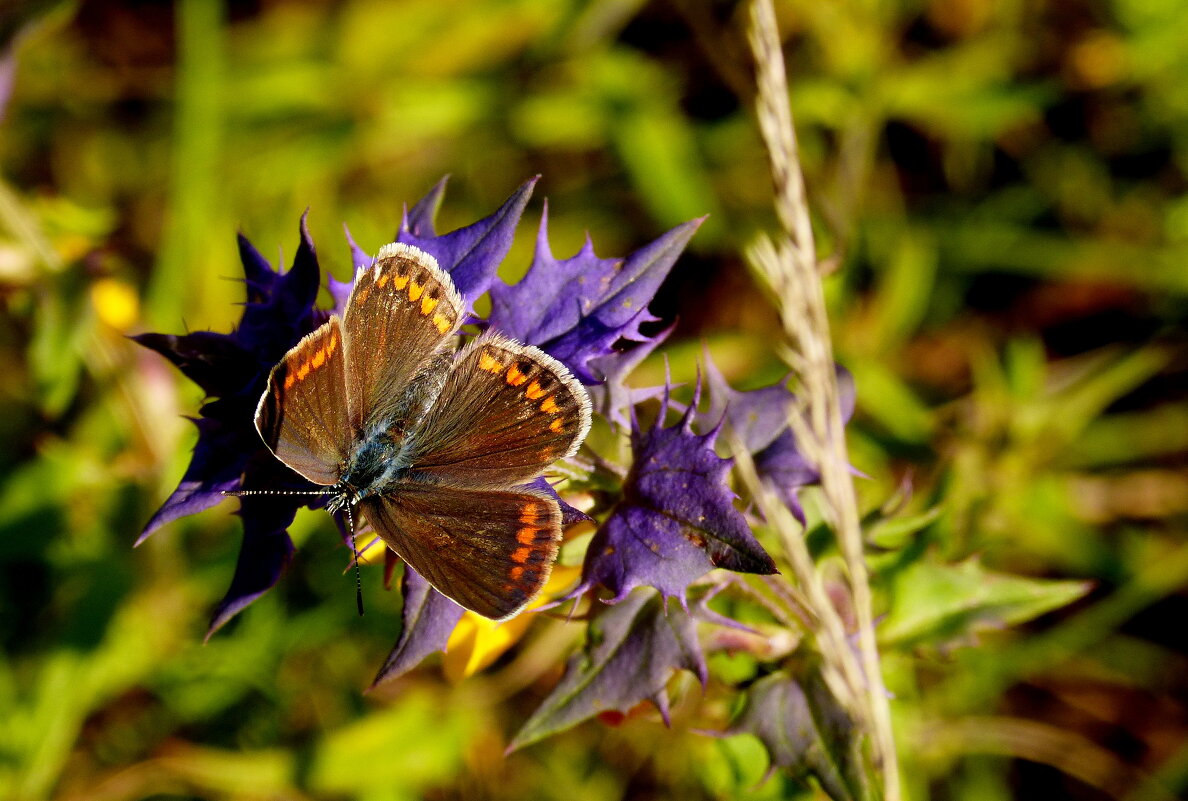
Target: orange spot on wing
527	535
361	295
415	290
303	371
400	282
534	391
319	358
427	305
515	574
528	513
383	279
550	406
489	363
441	322
290	380
556	426
515	377
520	556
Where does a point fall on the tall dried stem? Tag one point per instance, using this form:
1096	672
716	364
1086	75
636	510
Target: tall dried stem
790	266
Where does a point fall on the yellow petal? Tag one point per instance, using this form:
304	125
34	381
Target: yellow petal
563	577
371	549
477	642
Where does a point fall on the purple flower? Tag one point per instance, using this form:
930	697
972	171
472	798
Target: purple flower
428	618
229	456
613	398
805	731
760	419
579	307
676	519
471	255
576	309
631	651
757	417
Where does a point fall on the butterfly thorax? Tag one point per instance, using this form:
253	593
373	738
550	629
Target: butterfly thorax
375	464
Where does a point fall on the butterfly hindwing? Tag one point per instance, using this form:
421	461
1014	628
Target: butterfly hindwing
302	416
400	313
432	446
505	413
490	551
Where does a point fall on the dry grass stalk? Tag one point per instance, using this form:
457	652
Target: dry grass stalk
790	267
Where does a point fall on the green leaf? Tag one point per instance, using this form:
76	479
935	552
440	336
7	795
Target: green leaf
944	604
887	398
1130	437
895	532
64	322
905	289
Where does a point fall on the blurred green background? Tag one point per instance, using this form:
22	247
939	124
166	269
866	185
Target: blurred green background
999	188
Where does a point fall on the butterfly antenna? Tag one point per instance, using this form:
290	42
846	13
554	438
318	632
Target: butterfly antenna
355	550
350	522
240	493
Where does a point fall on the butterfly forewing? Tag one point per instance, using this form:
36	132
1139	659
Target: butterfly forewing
506	412
401	311
490	551
302	416
431	446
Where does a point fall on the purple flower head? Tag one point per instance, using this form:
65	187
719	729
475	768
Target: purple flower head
429	617
232	369
613	398
631	651
757	417
471	255
676	519
782	463
229	456
576	309
805	731
760	419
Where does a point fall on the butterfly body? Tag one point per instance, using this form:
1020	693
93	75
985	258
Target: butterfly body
373	468
434	446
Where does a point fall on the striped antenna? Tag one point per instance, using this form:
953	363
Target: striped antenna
240	493
350	522
355	551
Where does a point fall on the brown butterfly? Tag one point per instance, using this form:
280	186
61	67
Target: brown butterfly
433	444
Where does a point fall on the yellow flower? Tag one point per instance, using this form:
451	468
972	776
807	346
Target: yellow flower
476	642
371	549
